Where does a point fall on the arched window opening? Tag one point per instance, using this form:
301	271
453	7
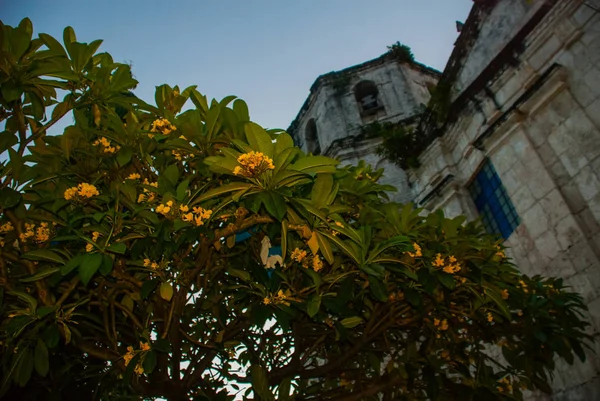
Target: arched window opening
366	95
312	137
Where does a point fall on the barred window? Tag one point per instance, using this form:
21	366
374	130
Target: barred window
495	207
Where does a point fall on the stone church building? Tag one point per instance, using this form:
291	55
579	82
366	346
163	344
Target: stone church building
515	140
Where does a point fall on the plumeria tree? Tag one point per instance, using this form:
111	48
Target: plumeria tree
149	251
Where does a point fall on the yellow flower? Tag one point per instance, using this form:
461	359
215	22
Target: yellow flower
42	233
177	155
266	301
144	346
147	262
490	318
417	253
170	203
162	209
451	269
6	227
317	264
253	164
189	217
133	176
444	325
141	198
70	193
451	259
198	221
89	247
436	322
154	266
298	255
127	358
83	190
504	294
337	223
139	369
184	208
439	261
95	236
162	126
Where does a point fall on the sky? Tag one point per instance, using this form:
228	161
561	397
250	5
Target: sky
267	52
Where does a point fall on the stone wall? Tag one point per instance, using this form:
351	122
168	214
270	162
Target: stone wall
403	93
539	125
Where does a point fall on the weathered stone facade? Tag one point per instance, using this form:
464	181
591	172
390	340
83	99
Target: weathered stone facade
525	96
337	115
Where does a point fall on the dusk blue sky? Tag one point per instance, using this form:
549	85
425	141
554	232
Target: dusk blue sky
268	52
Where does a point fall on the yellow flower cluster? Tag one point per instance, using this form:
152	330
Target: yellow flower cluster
441	324
162	126
107	146
451	266
298	255
147	196
144	347
150	264
500	252
6	227
317	264
417	253
180	156
90	247
164	209
197	217
83	190
524	285
280	298
253	164
133	176
41	234
505	382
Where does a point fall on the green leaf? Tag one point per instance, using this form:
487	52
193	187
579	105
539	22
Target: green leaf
124	156
447	280
321	189
260	383
24	367
107	265
149	362
284	232
9	197
344	246
161	345
313	304
351	322
68	38
259	139
213	193
241	274
378	289
275	204
40	275
182	190
72	264
172	174
497	298
117	247
325	247
89	266
44	254
241	110
147	287
315	164
42	364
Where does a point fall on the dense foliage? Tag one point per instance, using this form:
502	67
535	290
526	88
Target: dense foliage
153	252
